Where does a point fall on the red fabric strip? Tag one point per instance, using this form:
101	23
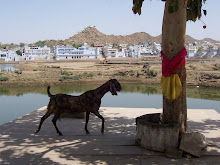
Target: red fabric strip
169	66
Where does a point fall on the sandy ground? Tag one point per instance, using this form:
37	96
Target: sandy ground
202	73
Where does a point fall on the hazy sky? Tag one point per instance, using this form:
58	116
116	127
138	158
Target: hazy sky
29	21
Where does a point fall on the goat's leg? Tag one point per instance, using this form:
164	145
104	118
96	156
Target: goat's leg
103	120
87	120
56	116
48	113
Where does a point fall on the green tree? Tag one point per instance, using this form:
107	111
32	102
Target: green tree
200	49
18	52
176	14
40	43
76	45
21	44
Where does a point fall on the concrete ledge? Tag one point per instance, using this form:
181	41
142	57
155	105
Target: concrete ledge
155	136
20	145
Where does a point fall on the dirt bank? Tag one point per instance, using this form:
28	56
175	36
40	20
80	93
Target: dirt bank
92	71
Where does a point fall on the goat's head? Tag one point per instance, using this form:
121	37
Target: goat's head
114	86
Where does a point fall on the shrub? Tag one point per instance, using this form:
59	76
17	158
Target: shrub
77	77
18	72
3	78
55	66
64	77
63	72
151	73
61	79
216	67
87	75
122	74
192	67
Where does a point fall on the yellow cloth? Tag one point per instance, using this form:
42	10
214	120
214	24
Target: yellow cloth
171	86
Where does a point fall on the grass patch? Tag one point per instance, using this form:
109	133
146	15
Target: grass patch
83	75
87	75
66	76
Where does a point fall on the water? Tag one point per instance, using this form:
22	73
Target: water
7	68
18	101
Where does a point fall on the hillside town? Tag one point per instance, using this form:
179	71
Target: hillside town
93	44
203	50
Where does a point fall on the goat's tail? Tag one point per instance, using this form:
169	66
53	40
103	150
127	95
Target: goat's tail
48	91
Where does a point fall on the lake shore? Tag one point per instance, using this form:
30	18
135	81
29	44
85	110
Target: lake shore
87	71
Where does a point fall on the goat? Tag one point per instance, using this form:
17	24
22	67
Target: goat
88	102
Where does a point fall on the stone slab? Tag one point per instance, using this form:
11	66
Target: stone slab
20	145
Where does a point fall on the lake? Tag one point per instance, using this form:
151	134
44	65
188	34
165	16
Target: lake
18	101
7	68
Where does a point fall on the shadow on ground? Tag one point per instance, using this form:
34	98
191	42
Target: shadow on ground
20	145
208	128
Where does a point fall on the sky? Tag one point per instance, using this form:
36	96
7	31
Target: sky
28	21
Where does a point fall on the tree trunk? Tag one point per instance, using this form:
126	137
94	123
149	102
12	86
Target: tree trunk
173	41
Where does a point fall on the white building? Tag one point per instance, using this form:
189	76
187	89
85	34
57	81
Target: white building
140	50
110	52
99	46
156	48
192	49
8	55
134	51
69	52
119	52
36	53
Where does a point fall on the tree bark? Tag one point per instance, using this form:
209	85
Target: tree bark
173	41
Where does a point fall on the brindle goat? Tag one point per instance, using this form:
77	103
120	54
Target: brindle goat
89	101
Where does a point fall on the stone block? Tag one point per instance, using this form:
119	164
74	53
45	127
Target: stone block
193	143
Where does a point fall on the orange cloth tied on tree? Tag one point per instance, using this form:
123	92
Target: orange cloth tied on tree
170	83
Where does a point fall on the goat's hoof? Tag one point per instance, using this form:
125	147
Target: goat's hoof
37	131
60	134
102	131
87	132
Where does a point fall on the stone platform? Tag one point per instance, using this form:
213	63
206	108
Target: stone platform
20	145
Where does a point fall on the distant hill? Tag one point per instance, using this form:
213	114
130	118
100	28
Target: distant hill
91	35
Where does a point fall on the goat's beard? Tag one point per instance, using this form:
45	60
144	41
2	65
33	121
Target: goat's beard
115	93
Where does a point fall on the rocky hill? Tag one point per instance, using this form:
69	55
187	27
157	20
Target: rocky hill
91	35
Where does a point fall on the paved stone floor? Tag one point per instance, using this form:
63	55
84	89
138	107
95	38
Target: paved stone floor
20	145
